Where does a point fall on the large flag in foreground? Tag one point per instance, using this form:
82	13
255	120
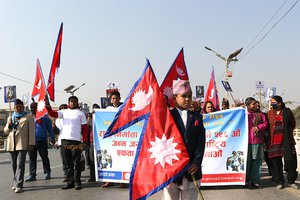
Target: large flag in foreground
55	64
161	155
177	71
39	88
212	91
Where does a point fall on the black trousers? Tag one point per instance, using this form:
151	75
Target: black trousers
64	162
91	162
42	148
290	167
71	153
268	162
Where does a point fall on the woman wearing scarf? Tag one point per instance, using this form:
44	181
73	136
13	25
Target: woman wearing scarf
257	124
281	143
20	129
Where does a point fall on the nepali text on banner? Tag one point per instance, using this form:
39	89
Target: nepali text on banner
225	156
114	155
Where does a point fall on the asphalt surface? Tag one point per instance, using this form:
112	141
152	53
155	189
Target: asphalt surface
51	189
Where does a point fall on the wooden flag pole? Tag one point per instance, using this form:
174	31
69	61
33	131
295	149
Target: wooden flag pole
233	99
196	184
9	108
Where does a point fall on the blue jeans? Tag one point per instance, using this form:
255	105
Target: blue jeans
42	148
18	159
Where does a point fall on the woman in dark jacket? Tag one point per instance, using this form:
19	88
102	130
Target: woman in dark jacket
281	143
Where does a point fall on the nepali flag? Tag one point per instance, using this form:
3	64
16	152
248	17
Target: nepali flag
55	64
161	156
39	88
212	92
38	80
177	71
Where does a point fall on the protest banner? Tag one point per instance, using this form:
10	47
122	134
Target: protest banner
226	147
114	155
225	154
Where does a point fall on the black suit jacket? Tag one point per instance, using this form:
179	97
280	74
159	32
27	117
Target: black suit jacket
194	138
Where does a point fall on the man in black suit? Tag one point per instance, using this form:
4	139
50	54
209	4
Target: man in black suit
190	125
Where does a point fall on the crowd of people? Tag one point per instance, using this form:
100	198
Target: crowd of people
270	138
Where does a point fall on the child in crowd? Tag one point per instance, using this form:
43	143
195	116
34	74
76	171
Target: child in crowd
190	125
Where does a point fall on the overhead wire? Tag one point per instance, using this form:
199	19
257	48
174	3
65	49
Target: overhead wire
259	33
28	82
269	21
16	78
275	24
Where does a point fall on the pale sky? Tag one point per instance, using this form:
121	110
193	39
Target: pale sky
108	41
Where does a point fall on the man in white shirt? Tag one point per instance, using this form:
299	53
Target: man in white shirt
74	128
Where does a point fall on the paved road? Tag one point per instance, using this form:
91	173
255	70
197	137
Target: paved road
50	189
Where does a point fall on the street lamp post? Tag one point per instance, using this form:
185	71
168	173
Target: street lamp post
70	90
228	60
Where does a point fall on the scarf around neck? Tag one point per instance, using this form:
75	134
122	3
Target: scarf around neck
17	115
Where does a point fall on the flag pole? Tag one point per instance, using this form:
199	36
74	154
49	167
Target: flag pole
233	99
196	184
9	108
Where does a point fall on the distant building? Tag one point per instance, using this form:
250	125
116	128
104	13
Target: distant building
3	118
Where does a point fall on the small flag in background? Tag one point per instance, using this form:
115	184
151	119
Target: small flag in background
55	64
161	155
177	71
212	92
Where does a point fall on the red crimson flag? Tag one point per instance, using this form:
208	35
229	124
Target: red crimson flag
39	88
55	64
212	91
39	80
161	155
177	71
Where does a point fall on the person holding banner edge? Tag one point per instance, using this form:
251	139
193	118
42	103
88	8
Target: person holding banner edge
257	124
91	162
115	104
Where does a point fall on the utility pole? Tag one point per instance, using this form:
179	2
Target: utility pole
228	60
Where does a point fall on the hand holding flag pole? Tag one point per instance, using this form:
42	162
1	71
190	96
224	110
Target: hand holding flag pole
10	115
196	184
9	108
233	98
47	103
